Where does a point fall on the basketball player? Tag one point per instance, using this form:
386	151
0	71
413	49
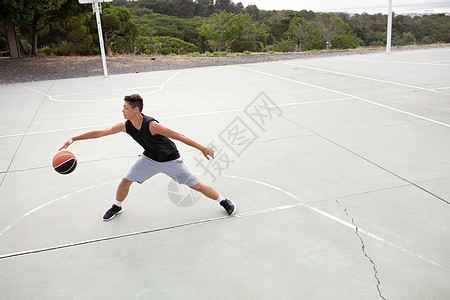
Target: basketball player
160	155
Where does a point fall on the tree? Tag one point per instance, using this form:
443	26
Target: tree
120	33
13	12
165	25
71	37
344	41
144	43
45	12
307	14
184	8
36	15
253	11
307	34
167	44
225	5
280	25
284	46
220	30
204	8
9	14
331	26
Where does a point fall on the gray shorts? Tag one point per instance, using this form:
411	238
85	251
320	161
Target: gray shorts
144	168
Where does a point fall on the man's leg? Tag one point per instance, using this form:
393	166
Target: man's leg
178	171
121	194
206	190
141	170
122	189
211	193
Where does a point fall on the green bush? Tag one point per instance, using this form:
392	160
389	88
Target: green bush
78	33
119	31
268	48
66	48
284	46
345	41
241	46
222	29
144	45
48	50
84	45
194	54
166	45
407	38
164	25
378	43
142	11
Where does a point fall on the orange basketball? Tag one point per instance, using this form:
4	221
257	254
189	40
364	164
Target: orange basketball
64	162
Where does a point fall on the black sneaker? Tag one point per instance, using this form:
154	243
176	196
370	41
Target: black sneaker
229	206
112	212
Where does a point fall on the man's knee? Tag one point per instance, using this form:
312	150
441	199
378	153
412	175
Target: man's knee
125	182
198	187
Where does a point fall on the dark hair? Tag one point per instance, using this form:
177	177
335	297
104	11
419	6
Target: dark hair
135	101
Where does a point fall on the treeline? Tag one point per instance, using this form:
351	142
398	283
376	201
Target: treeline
147	27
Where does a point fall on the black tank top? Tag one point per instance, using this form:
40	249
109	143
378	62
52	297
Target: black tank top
157	147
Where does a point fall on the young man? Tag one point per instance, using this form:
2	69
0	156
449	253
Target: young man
160	155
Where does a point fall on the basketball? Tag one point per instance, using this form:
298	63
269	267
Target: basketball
64	162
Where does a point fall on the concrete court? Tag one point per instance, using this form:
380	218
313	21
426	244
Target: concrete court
340	168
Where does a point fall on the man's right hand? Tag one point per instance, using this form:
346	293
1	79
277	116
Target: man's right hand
66	144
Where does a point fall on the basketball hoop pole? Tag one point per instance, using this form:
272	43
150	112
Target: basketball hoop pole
96	8
389	29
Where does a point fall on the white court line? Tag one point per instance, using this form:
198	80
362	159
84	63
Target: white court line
242	109
435	63
342	222
381	61
347	95
251	213
116	90
178	116
54	130
367	78
7	228
199	222
54	98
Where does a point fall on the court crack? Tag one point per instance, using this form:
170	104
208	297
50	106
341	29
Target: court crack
363	248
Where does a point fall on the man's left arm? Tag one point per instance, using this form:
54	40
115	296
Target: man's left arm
156	128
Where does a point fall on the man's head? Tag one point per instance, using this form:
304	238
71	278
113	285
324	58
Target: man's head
132	106
135	101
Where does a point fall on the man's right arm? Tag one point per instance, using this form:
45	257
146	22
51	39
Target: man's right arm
120	127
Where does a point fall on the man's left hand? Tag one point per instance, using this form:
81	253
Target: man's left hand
208	151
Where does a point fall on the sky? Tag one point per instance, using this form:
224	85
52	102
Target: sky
353	6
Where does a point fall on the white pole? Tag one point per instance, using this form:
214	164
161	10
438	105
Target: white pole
100	36
389	29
